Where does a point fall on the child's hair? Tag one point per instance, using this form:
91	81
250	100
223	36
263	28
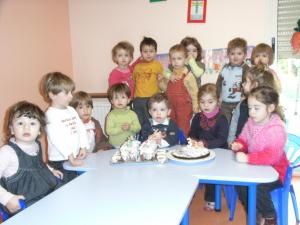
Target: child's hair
125	45
260	76
159	97
81	98
178	48
22	108
193	41
268	96
149	42
118	88
56	82
263	48
208	88
237	43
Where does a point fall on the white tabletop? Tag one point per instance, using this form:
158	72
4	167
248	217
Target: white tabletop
223	167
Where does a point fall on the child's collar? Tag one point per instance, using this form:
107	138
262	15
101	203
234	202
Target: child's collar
165	122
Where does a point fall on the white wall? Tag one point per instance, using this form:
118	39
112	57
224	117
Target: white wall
97	25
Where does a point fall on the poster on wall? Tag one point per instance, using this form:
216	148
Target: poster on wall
196	11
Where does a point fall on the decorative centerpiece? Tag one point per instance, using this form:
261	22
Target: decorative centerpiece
133	151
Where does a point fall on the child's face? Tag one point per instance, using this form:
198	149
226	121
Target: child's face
159	111
148	53
236	56
262	58
177	59
84	111
192	51
122	58
208	103
120	100
259	112
25	130
61	100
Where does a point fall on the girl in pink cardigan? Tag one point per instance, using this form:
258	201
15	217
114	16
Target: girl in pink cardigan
262	142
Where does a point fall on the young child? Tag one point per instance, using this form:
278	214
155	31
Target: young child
160	127
121	122
256	76
209	129
262	142
193	62
182	94
22	171
230	79
66	134
83	104
146	74
122	55
263	54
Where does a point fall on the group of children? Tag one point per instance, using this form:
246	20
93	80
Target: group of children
241	112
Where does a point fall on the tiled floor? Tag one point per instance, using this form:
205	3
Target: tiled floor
200	217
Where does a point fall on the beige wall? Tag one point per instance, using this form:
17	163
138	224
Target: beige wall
34	39
96	25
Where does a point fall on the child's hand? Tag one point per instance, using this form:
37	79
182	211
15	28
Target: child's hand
125	126
13	204
74	161
241	157
235	146
82	153
156	136
173	78
58	174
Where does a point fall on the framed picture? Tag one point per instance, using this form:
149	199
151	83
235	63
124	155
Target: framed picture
196	11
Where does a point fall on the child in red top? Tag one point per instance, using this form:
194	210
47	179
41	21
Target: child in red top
262	142
122	55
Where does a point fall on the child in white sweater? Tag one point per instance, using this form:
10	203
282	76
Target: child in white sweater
66	134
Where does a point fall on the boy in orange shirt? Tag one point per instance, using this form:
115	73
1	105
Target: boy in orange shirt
145	76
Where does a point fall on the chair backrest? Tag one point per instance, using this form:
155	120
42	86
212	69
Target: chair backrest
292	150
181	138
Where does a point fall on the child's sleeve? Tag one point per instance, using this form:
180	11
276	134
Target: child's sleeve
113	78
83	136
146	131
100	138
167	73
192	88
276	138
112	128
135	124
233	124
196	69
5	163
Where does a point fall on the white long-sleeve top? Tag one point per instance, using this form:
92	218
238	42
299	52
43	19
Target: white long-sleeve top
66	133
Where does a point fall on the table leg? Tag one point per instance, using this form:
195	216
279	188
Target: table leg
186	218
218	201
252	204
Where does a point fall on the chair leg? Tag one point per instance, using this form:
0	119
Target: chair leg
294	201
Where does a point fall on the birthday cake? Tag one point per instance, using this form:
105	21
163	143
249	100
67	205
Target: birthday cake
191	151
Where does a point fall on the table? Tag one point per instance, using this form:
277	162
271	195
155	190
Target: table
139	194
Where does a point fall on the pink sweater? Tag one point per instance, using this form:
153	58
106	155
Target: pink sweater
265	144
121	76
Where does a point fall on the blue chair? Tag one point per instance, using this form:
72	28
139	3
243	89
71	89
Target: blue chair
280	196
5	215
181	137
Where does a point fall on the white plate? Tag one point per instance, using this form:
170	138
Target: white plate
211	156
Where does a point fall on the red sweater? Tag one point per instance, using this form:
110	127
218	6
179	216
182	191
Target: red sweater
265	144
